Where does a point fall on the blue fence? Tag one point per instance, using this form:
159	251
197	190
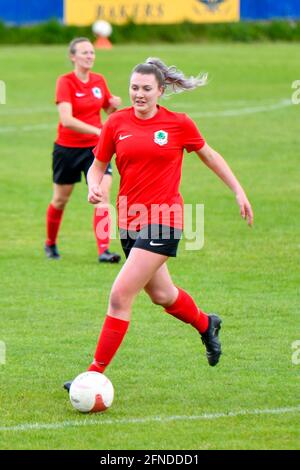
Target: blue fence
35	11
30	11
269	9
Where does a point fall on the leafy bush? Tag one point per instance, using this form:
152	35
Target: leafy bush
54	32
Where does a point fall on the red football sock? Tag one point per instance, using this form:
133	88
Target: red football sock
102	228
53	221
185	309
111	336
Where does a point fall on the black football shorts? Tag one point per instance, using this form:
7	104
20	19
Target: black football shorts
68	163
156	238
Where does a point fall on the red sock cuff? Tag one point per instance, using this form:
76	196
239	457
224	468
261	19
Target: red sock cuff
174	307
184	307
54	213
117	324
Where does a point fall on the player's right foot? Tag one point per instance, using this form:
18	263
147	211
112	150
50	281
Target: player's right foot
108	257
52	252
211	341
67	385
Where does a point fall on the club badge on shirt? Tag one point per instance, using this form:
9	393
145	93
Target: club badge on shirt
97	92
161	137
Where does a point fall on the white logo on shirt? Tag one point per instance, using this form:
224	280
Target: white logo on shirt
155	244
97	92
79	95
122	137
161	137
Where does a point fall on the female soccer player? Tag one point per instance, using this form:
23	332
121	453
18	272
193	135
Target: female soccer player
80	96
148	141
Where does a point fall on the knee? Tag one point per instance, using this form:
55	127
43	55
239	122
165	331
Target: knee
119	300
59	202
160	297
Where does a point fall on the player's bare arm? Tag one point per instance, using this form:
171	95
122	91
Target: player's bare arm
68	120
94	178
114	103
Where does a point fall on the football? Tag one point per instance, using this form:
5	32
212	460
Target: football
102	28
91	392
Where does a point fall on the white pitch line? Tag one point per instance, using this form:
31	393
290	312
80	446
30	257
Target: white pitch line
224	113
243	111
149	419
28	128
7	111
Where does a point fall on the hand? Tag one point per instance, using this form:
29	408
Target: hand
115	101
95	194
245	207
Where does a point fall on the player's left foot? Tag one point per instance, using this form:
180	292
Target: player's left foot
108	257
51	252
211	341
67	385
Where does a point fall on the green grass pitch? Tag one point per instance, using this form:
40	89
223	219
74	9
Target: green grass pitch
166	396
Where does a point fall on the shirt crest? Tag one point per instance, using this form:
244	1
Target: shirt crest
97	92
161	137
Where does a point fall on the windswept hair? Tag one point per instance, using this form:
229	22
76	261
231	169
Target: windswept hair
170	78
74	42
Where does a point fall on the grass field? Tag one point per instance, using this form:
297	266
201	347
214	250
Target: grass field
166	396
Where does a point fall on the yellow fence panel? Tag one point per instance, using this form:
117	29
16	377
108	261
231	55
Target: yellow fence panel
85	12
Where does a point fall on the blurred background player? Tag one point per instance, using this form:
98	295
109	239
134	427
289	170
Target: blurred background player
80	96
149	141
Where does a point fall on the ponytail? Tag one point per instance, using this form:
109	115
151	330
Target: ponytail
170	78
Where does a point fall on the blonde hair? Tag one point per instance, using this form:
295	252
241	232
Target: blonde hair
170	78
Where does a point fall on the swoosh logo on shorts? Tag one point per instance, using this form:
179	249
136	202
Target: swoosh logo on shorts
152	243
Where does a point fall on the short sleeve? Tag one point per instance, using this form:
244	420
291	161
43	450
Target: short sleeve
105	148
192	138
107	94
63	91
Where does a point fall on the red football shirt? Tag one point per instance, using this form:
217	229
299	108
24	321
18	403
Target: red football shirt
149	157
87	100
